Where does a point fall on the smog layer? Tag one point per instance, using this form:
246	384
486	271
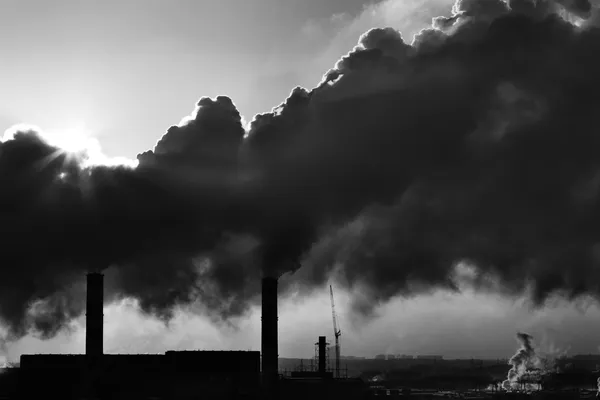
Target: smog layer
476	142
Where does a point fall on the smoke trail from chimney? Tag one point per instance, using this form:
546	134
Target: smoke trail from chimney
3	352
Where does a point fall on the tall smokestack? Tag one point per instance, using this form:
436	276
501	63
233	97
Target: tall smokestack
322	355
270	357
94	315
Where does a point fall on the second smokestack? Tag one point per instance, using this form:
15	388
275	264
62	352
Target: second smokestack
270	356
94	316
322	355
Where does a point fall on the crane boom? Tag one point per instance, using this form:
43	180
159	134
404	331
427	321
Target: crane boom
337	333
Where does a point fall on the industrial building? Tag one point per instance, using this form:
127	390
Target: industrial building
320	382
175	374
429	357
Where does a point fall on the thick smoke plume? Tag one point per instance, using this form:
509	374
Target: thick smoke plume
476	142
528	368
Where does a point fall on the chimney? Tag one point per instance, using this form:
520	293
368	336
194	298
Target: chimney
94	315
322	355
270	357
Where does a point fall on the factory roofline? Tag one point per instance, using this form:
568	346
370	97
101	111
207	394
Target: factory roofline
212	351
138	354
86	355
169	359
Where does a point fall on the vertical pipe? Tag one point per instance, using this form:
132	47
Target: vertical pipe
94	314
322	355
270	356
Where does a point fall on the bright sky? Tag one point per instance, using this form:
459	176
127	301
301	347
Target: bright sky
127	70
130	69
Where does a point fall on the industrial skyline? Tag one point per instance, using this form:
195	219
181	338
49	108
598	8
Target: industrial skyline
435	162
263	375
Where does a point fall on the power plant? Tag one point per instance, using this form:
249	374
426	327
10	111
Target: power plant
213	374
174	374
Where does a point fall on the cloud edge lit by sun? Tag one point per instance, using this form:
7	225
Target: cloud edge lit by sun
77	143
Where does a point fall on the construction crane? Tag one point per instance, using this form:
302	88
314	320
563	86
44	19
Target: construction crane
337	333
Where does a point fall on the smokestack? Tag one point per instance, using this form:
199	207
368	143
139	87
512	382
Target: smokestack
270	357
322	355
94	315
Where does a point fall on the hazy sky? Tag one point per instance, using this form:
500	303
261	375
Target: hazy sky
127	70
455	325
114	65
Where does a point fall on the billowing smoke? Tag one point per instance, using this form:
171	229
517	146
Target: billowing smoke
475	143
529	366
163	224
526	365
482	135
3	352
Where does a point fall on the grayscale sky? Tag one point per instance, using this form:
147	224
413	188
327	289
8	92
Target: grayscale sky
127	70
130	69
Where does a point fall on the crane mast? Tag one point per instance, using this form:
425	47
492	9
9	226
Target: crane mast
337	333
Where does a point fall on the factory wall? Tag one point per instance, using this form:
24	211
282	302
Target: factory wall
174	375
306	388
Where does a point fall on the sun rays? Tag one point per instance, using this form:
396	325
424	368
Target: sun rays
76	144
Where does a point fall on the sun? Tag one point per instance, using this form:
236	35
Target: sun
76	146
72	140
78	143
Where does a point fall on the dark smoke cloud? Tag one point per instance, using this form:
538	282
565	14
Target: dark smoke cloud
475	143
60	219
478	147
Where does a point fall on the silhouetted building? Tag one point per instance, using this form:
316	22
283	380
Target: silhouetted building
352	358
318	388
174	375
429	357
9	382
320	383
587	357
